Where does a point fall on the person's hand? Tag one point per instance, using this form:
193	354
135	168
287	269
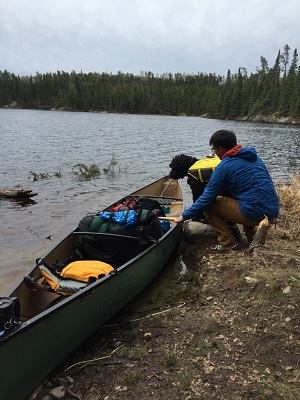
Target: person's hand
179	219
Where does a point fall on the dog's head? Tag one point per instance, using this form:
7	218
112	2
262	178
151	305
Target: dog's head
180	165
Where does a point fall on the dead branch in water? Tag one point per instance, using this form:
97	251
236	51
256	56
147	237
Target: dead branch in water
17	193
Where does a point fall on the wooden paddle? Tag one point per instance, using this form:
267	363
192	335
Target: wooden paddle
168	218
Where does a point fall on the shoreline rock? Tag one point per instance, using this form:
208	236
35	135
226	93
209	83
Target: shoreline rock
13	104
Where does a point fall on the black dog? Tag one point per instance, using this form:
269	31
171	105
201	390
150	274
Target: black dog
180	165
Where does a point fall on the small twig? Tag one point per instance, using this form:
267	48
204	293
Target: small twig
147	316
95	359
101	363
112	363
290	249
155	376
19	236
158	313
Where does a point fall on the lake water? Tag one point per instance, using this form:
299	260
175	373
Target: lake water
46	142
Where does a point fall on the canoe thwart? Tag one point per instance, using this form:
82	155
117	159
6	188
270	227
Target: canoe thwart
160	197
113	235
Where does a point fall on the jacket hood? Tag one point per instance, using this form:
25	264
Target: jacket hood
247	153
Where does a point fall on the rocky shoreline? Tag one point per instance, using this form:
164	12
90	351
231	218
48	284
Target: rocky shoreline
274	118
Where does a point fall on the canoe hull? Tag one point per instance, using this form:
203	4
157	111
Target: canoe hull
32	351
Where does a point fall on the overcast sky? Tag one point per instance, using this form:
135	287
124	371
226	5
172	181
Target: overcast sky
161	36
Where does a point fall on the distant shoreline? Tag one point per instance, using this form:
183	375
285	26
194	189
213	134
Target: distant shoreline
272	119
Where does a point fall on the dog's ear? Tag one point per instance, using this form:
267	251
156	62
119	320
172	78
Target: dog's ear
173	163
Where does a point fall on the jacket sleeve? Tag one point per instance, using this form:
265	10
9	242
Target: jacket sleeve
212	190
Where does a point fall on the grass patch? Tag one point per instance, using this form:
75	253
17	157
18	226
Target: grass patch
113	167
202	348
86	172
171	357
138	353
82	171
39	176
131	378
185	378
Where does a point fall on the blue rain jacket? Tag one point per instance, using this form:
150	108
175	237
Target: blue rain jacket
245	176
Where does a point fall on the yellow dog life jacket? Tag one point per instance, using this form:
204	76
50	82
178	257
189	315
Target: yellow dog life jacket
75	276
203	169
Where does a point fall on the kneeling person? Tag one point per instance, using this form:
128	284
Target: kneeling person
244	175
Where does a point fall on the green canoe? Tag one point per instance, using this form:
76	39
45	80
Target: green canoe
43	327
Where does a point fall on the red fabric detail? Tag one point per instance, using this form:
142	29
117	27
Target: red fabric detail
233	151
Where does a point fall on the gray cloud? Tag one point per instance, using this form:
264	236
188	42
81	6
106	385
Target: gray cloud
132	36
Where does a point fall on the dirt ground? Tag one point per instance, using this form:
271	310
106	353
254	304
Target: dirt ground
227	329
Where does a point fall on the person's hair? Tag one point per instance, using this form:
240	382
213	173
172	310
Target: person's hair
223	138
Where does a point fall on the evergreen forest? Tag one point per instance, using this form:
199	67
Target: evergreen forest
271	90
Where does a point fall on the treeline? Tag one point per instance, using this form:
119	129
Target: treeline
268	91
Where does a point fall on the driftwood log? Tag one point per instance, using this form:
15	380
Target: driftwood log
259	238
17	193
